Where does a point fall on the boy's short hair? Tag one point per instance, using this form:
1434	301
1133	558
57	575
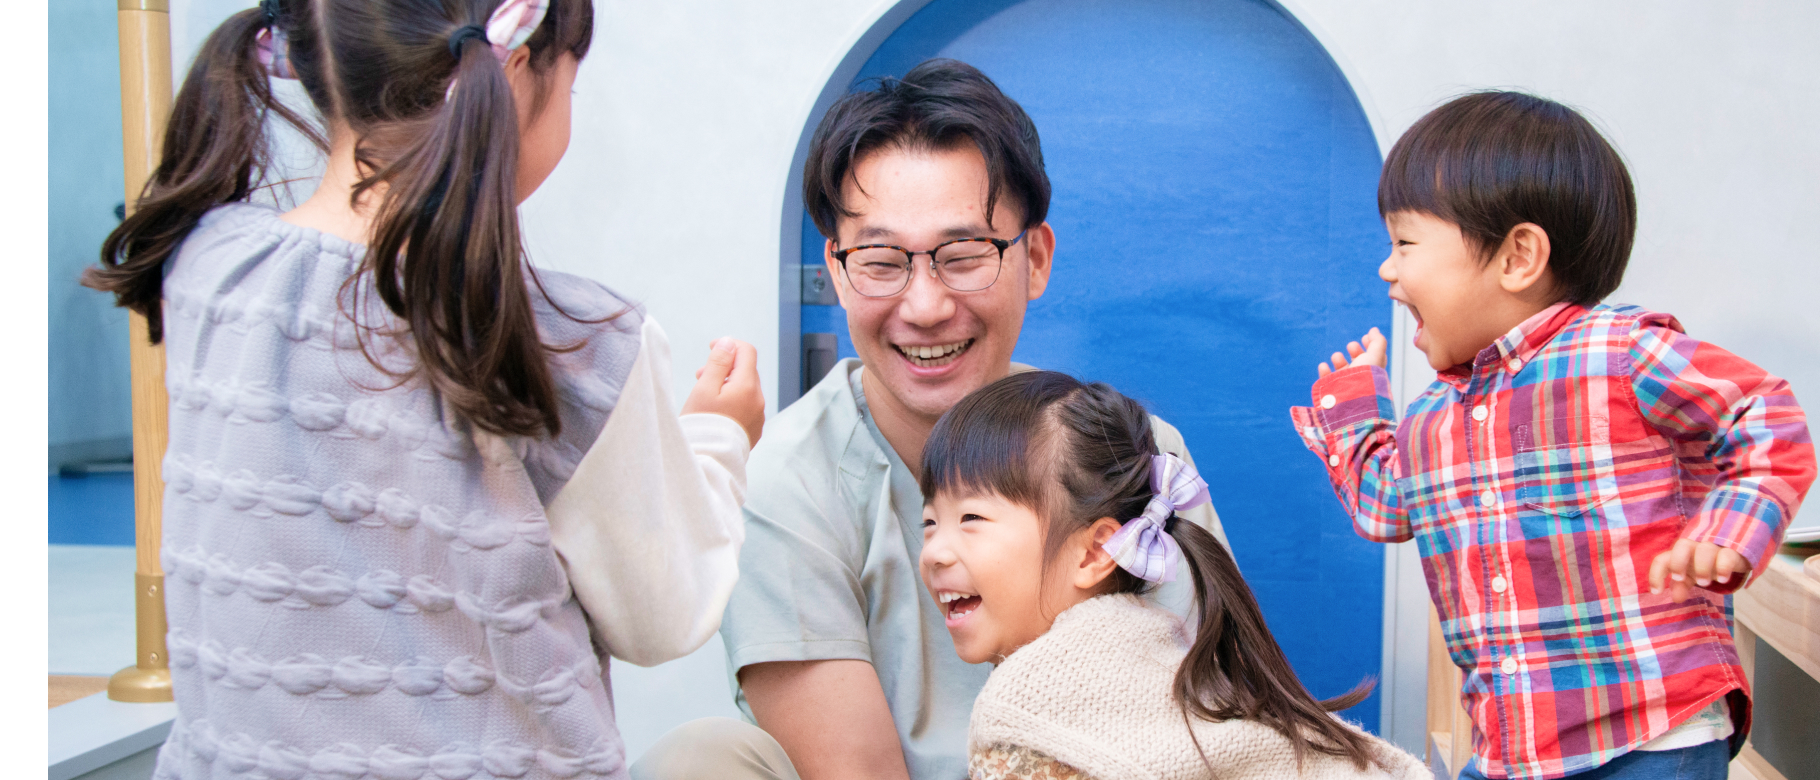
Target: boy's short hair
938	104
1490	161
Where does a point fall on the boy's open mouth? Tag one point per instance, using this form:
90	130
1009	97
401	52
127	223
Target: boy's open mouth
934	356
1411	307
1413	314
956	604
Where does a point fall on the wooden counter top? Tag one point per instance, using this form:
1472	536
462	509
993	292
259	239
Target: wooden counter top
1783	609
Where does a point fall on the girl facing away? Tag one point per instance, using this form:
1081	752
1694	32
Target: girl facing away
1048	513
416	491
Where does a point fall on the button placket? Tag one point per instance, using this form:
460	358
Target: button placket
1484	478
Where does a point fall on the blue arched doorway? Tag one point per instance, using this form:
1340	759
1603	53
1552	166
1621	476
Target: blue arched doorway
1217	234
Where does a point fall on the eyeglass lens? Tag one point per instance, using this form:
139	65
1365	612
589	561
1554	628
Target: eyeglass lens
965	266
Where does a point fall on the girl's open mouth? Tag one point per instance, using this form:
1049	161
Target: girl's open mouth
957	605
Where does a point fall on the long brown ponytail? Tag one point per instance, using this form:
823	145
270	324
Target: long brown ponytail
439	166
215	151
1236	670
1021	436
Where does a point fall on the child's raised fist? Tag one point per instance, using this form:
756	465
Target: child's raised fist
728	386
1371	353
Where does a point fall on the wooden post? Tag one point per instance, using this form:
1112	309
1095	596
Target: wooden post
145	104
1449	727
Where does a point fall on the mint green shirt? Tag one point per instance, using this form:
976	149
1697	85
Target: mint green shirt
829	569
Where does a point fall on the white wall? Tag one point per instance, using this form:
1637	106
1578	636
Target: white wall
688	111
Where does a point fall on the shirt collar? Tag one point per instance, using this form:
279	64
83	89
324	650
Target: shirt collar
1510	353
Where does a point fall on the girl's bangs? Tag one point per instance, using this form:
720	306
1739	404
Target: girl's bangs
990	442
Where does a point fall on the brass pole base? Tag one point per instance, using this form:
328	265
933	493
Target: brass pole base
150	679
140	686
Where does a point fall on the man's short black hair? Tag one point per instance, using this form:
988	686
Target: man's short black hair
1490	161
937	105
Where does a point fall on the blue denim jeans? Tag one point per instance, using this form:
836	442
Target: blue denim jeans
1709	761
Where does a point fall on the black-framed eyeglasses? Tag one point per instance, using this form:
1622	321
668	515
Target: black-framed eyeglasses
964	264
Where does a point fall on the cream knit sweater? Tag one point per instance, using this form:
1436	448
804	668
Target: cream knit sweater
1094	693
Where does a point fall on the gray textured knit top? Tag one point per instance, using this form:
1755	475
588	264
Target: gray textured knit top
357	584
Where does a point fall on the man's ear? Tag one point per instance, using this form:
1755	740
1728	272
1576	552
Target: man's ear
834	275
1095	564
1522	260
1039	246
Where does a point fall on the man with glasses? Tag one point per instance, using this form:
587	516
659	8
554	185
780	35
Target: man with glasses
931	193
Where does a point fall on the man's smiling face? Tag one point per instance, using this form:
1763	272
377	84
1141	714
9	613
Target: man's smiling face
917	199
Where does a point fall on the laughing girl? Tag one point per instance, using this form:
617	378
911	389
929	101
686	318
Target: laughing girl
1048	512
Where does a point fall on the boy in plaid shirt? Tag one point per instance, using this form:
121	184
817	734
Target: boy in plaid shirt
1585	483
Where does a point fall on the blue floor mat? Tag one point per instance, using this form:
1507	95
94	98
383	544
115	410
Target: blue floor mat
96	509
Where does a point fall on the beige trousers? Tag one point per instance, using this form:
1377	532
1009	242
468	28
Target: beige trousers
712	749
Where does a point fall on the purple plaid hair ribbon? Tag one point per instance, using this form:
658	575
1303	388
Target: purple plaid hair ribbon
512	24
1143	545
275	53
274	47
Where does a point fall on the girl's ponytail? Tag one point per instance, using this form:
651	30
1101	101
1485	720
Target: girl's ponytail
1236	670
214	152
445	255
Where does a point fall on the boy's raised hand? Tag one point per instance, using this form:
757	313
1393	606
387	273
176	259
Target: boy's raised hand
728	386
1370	353
1703	562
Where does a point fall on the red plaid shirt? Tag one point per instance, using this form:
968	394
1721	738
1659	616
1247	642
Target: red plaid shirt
1539	483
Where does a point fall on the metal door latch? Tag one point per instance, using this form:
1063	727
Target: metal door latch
818	287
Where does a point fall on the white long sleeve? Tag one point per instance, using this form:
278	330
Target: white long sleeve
649	526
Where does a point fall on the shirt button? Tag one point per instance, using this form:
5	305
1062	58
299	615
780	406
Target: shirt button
1327	401
1488	498
1333	460
1498	584
1480	413
1509	666
1516	365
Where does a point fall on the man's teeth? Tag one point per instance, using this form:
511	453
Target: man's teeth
933	352
935	355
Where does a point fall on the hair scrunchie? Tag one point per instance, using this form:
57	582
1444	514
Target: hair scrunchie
1143	545
462	35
